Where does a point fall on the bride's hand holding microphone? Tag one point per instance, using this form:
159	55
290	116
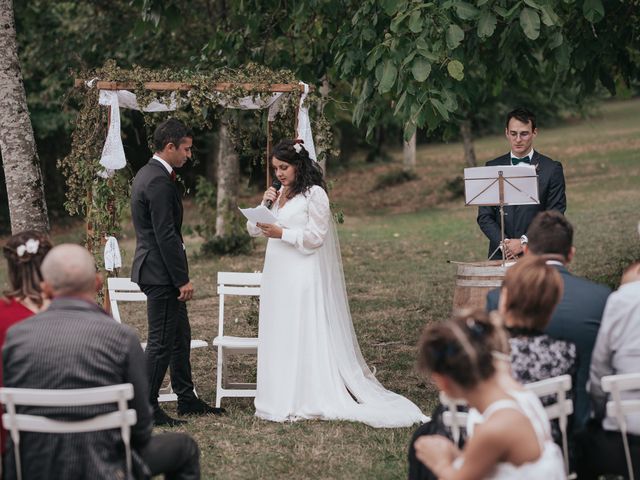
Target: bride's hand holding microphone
270	196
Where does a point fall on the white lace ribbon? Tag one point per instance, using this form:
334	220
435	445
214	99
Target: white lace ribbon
304	124
112	258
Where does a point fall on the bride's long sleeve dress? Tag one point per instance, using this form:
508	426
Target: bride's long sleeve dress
309	361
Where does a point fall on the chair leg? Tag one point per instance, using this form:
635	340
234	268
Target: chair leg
219	377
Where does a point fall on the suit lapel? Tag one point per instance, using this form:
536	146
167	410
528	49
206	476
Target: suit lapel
156	163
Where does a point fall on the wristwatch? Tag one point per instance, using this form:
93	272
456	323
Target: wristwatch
524	240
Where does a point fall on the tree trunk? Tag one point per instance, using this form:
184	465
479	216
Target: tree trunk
467	139
409	154
25	189
228	173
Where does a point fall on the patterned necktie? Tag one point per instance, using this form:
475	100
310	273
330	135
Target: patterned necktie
173	175
516	160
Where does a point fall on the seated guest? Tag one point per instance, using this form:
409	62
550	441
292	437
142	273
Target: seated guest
513	439
530	291
24	253
617	351
74	344
577	317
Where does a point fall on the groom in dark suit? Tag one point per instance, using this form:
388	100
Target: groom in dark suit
160	269
521	131
577	317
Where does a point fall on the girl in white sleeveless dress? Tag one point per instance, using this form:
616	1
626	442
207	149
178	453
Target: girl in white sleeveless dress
512	438
309	361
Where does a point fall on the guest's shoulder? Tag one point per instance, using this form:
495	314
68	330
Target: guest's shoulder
590	288
545	160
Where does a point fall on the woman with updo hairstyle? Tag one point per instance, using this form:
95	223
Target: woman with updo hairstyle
24	253
309	361
512	438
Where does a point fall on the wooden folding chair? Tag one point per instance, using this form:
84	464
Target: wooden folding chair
233	283
123	418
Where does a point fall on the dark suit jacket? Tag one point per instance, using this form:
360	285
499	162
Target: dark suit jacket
551	191
74	344
576	319
156	210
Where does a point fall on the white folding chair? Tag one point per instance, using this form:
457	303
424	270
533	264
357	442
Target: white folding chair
123	418
124	290
452	417
620	409
560	409
233	283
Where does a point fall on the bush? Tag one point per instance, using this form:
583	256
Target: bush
395	177
237	243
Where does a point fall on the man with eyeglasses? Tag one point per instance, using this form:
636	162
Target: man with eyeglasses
520	132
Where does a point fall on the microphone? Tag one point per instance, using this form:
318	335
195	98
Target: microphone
275	184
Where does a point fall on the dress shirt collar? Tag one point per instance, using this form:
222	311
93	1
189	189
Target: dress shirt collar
555	262
164	164
530	155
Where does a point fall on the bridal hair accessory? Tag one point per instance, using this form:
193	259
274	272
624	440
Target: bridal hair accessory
297	146
30	246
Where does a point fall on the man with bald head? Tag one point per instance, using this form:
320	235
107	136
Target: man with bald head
75	344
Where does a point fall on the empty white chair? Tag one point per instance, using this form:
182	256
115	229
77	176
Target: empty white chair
234	283
620	409
124	290
123	418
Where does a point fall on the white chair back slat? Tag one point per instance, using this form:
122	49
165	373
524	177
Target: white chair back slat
239	278
227	290
127	296
57	398
121	283
34	423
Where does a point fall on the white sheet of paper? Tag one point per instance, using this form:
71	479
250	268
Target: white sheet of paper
259	214
481	187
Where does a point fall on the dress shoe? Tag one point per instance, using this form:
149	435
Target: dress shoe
197	407
161	419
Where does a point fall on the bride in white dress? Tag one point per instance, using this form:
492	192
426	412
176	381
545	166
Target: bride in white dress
309	361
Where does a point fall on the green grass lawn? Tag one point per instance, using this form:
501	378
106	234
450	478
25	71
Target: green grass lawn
396	244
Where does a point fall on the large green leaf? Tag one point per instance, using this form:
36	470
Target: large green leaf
415	22
549	17
466	11
533	4
420	69
389	74
444	113
456	69
593	10
556	40
486	24
455	35
530	23
391	7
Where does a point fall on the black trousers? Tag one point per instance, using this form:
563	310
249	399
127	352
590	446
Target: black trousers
168	343
176	455
600	452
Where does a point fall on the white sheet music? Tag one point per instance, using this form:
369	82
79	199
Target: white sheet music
259	214
520	186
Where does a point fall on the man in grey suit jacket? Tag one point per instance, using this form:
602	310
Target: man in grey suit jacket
521	131
160	269
75	344
577	317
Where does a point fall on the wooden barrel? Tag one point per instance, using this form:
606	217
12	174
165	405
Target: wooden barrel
474	280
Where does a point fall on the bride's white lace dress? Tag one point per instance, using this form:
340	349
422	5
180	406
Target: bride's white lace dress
309	361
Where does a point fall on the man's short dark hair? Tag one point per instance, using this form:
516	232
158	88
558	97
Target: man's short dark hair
523	115
170	131
550	233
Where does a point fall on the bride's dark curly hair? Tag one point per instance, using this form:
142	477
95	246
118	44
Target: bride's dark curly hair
308	172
